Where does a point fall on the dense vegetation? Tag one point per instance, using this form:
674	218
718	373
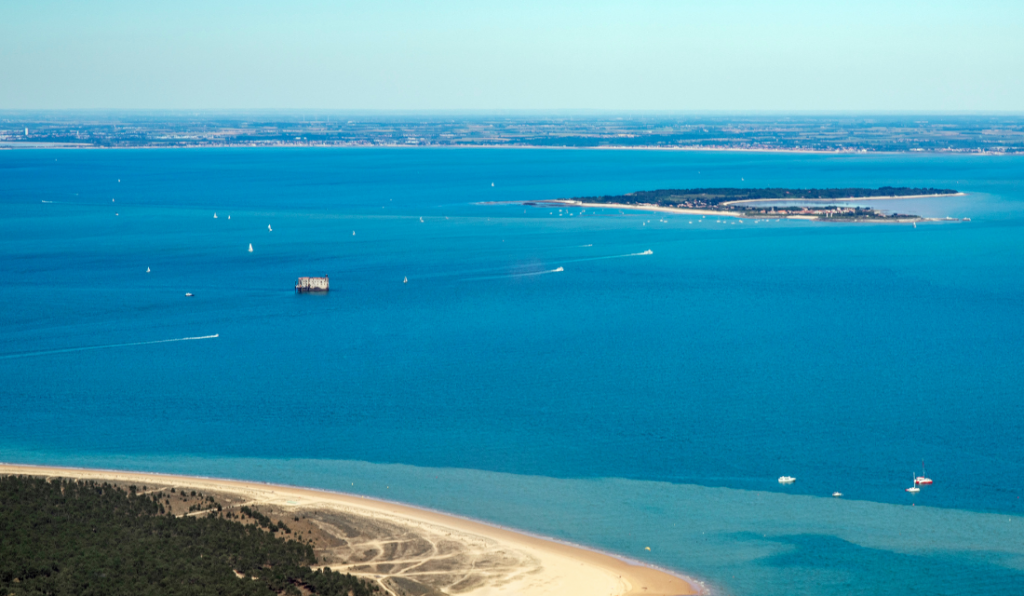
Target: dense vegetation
82	538
710	197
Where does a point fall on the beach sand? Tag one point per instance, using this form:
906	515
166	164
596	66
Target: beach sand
409	550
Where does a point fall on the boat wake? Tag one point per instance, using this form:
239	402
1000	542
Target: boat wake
632	254
530	274
84	348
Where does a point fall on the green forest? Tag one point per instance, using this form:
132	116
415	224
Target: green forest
84	538
707	197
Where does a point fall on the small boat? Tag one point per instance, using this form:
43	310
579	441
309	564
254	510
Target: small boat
270	229
922	479
147	269
250	247
214	216
229	217
353	232
189	294
405	280
559	269
837	494
421	220
786	479
913	489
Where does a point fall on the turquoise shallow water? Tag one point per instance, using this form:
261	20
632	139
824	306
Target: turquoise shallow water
628	400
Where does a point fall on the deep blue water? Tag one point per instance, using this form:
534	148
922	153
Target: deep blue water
688	379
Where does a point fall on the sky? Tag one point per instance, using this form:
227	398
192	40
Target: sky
675	56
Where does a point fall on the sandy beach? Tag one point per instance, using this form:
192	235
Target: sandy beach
417	550
562	203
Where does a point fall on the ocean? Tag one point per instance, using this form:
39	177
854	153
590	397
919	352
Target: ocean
540	370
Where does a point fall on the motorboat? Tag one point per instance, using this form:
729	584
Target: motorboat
786	479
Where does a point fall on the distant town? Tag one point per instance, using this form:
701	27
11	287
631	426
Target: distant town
946	134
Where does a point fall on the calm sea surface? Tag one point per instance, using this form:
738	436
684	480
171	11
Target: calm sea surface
538	370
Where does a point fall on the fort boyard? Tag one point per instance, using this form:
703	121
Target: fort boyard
312	284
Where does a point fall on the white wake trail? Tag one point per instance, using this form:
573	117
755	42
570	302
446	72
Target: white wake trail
558	270
84	348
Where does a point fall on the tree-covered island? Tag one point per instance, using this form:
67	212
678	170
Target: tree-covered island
764	202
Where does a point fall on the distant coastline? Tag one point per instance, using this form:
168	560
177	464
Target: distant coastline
18	145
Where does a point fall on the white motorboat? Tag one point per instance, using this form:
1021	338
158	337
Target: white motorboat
786	479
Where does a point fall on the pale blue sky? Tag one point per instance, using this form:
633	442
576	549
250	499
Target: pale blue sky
732	55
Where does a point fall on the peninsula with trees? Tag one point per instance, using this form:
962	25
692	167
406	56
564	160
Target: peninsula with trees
826	204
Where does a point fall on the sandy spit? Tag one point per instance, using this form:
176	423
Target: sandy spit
563	569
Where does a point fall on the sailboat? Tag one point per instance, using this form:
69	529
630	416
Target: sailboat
922	479
405	280
250	247
270	229
214	216
913	489
147	269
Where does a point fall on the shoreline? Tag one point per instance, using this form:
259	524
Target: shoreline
565	568
12	147
740	215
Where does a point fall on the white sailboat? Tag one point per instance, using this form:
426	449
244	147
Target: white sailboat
405	280
147	269
215	215
250	247
270	229
913	489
